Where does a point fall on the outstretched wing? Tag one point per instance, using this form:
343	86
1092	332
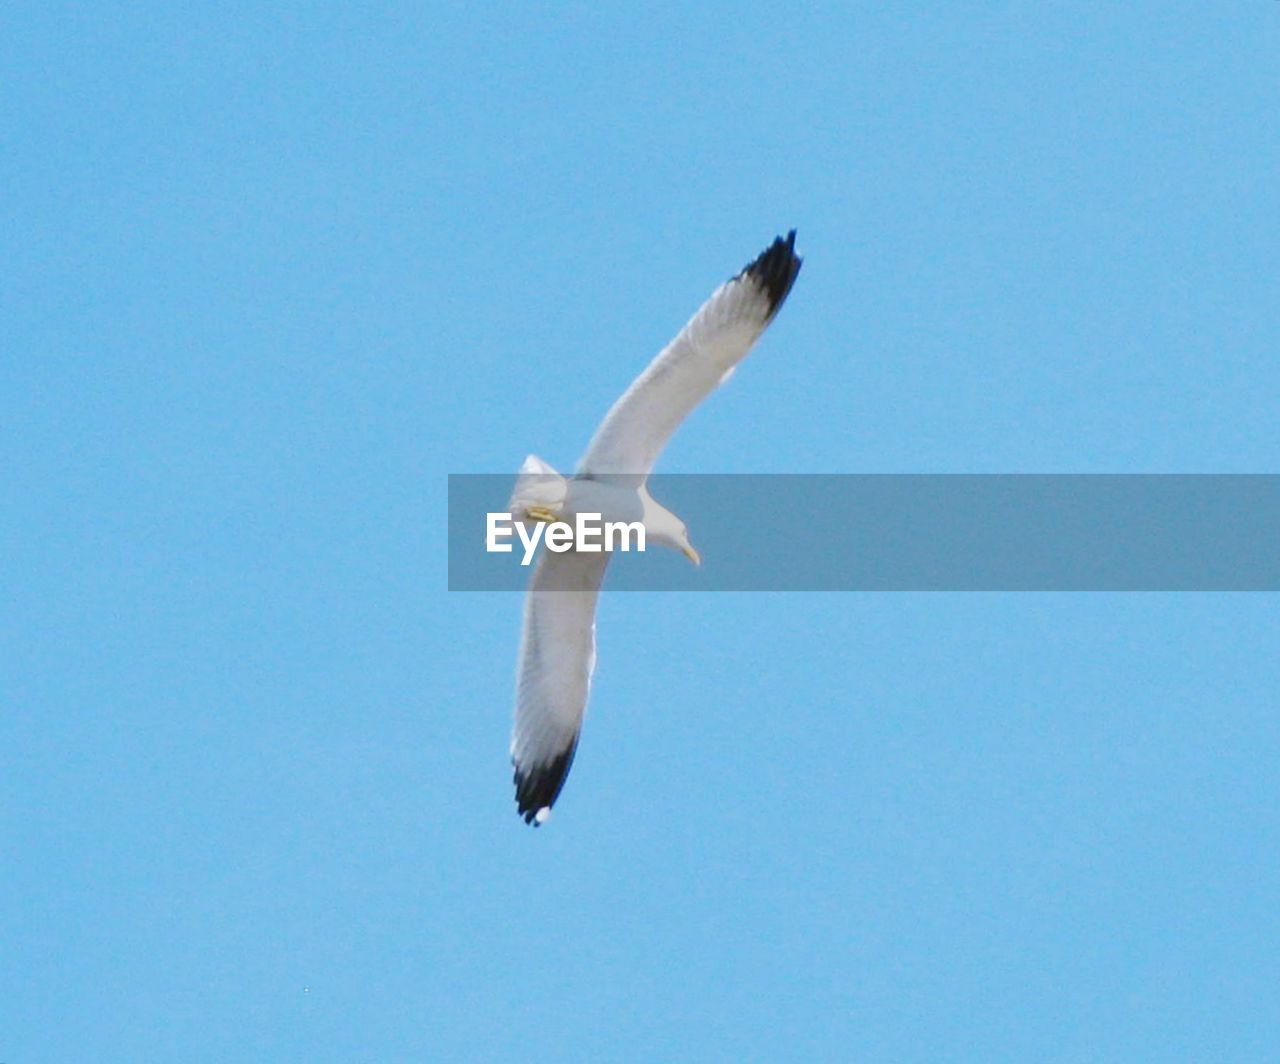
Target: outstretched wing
557	656
707	349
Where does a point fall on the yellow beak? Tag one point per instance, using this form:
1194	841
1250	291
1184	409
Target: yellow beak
691	554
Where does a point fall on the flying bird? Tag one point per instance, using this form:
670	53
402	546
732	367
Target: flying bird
557	645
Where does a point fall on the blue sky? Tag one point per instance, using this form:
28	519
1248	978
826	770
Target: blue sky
271	274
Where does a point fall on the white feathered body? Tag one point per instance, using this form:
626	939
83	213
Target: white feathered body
557	648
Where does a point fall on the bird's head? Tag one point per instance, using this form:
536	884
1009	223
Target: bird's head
679	540
667	529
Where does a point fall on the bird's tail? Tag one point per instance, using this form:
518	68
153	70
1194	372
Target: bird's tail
537	484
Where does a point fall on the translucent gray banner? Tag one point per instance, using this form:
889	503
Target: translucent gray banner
830	532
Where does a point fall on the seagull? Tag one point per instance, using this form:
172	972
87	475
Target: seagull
557	645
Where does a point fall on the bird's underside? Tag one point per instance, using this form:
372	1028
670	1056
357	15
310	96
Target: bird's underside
557	646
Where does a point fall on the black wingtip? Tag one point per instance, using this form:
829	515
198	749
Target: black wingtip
539	787
775	269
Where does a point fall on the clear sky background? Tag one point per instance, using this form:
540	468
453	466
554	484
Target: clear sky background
269	274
